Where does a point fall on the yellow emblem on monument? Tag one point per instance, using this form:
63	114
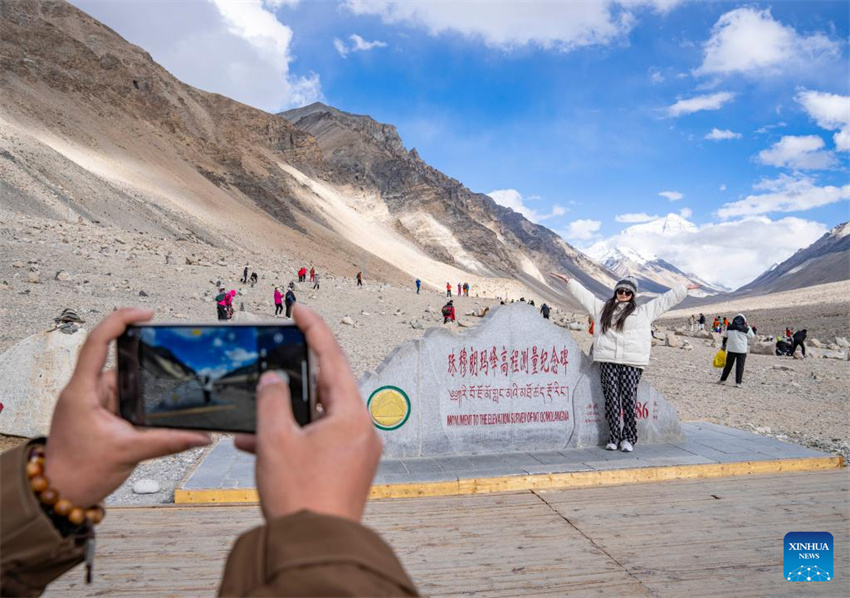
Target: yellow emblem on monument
389	407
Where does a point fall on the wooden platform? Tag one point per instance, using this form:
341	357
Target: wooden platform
706	537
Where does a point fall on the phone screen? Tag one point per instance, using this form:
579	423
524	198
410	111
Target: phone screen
205	377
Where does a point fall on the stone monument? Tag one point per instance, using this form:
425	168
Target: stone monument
515	382
32	373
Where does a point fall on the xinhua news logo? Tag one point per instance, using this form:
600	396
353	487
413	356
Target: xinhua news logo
808	556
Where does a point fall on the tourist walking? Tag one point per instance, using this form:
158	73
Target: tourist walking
289	300
798	340
702	321
448	289
229	303
692	322
418	285
459	289
622	344
466	289
302	274
278	301
544	309
448	312
245	273
360	279
312	273
221	303
736	343
315	280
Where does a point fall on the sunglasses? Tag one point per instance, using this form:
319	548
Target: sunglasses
625	292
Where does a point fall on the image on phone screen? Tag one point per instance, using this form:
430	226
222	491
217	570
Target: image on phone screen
205	377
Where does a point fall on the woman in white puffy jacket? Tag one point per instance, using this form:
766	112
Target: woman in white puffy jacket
736	343
622	339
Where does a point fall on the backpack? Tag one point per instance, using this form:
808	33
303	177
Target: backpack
220	297
447	311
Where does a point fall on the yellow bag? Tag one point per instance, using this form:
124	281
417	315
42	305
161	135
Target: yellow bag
720	359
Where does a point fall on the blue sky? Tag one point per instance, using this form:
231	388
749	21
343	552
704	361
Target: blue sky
579	115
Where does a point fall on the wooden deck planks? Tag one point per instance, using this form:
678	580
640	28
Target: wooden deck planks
664	539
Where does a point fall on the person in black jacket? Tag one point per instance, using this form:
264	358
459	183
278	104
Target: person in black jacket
289	300
798	340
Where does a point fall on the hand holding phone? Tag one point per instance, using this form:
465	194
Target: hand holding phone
91	451
328	466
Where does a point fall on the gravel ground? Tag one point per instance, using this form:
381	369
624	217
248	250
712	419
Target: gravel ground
801	401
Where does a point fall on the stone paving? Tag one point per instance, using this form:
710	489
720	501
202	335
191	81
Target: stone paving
705	443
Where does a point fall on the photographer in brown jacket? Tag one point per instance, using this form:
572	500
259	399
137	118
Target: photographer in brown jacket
313	482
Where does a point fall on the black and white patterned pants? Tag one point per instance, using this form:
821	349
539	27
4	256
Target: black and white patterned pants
620	385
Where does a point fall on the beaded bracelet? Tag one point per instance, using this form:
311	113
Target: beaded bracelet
50	498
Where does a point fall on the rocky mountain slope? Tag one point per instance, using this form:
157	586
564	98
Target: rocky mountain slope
824	261
444	218
93	130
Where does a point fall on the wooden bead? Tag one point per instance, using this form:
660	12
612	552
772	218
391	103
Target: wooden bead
95	514
38	484
34	468
49	496
62	507
77	516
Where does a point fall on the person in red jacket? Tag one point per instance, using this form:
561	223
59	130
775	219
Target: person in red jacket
302	274
448	312
448	289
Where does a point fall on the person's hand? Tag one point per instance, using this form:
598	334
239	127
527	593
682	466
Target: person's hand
91	450
328	465
692	287
559	276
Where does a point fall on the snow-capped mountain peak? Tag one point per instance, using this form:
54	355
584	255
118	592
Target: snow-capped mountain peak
670	225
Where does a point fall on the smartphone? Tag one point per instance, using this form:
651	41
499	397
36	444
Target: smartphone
204	377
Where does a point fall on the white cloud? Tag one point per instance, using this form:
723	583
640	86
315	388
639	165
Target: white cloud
582	230
785	194
752	42
560	26
722	187
238	49
767	128
655	76
672	195
721	134
798	152
831	112
712	101
513	199
728	253
686	213
634	218
358	44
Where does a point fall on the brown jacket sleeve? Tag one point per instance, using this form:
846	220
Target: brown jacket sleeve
32	552
307	554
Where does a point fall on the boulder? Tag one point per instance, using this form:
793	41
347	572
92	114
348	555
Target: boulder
703	334
576	326
417	325
842	342
348	321
815	343
32	373
841	355
686	346
763	348
62	275
146	487
33	278
670	339
463	324
19	265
